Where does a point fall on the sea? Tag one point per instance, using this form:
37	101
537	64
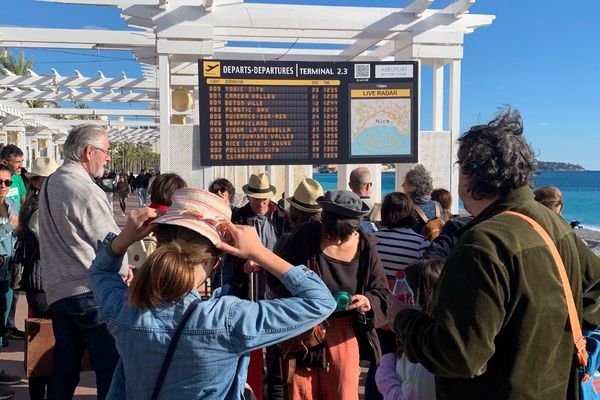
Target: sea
580	190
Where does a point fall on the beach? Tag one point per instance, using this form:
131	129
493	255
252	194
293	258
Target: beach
591	237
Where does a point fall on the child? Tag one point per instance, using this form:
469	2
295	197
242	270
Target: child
396	377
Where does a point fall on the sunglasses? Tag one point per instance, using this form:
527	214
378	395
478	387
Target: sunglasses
6	182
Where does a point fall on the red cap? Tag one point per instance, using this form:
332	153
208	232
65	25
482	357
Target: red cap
400	274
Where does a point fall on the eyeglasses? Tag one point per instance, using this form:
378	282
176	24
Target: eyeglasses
107	151
6	182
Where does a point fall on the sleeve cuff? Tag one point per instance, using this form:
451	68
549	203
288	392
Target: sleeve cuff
107	244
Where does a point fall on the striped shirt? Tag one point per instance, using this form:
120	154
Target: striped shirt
398	248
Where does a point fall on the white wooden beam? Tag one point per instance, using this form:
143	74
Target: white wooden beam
76	81
73	95
417	7
96	38
459	7
92	111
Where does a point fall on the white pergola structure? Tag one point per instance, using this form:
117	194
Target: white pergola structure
172	35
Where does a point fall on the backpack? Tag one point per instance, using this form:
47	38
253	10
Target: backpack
433	226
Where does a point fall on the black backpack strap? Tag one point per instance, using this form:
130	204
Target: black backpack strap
169	356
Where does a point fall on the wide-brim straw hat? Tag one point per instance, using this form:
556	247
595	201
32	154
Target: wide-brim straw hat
198	210
42	166
306	195
258	187
343	203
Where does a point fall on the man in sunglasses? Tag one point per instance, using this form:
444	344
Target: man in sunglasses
75	216
12	157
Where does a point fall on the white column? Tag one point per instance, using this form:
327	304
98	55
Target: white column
375	170
454	126
50	148
343	176
164	77
288	172
401	170
438	96
28	151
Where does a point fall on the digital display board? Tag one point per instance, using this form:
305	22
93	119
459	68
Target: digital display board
281	113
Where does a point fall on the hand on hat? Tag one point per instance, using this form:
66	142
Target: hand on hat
134	229
244	241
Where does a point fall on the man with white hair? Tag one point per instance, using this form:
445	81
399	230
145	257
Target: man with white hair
74	217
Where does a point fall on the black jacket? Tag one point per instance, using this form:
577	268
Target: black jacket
245	216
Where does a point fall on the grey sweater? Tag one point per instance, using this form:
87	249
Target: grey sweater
79	218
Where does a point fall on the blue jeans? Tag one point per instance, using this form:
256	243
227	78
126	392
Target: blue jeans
6	298
142	196
76	326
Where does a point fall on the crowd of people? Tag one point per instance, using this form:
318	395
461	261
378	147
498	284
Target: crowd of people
303	284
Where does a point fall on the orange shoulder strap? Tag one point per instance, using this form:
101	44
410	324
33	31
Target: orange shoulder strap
578	338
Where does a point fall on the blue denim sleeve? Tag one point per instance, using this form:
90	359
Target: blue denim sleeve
254	325
107	285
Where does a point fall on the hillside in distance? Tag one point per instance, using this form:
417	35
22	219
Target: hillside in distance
558	166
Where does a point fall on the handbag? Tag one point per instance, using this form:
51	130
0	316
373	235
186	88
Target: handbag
587	347
303	342
310	345
39	348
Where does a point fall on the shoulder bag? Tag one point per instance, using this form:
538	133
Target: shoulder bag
587	347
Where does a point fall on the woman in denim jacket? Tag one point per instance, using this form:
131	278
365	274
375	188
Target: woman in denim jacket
212	357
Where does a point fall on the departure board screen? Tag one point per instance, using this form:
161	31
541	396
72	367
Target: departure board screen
282	113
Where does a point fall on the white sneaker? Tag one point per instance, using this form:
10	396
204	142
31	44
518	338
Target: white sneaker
122	214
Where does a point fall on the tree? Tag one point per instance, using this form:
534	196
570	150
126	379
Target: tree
21	66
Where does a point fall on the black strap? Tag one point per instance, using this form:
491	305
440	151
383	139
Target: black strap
169	356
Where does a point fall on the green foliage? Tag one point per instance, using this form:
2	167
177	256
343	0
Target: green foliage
133	157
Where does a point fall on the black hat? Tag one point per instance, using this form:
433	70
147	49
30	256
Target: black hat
343	203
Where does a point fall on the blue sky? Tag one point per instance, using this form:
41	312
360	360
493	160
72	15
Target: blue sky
540	57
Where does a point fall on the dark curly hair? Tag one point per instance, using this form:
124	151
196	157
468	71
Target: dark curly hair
496	156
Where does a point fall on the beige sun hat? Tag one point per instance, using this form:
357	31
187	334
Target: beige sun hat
306	195
198	210
42	166
258	187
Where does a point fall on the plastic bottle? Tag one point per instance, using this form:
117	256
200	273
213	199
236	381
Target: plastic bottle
402	290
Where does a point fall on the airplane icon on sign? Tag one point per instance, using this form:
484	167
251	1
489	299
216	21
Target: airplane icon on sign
212	69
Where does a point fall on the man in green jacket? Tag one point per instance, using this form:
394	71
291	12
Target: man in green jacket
498	327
